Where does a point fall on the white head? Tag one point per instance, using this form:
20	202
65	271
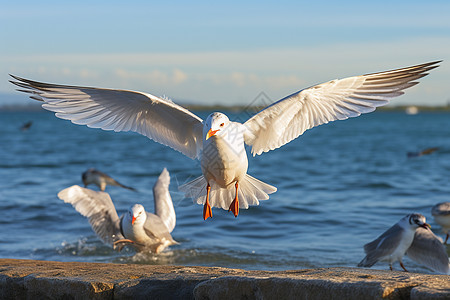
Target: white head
215	124
136	214
416	220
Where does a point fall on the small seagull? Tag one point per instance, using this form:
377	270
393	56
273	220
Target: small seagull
100	179
427	249
143	230
423	152
441	214
26	126
217	142
392	245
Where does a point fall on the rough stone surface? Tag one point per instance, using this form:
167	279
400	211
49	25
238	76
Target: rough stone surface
30	279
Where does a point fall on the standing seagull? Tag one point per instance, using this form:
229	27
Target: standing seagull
441	214
218	142
145	231
392	245
100	179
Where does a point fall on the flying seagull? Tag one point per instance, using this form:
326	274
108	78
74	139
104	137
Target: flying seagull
392	245
143	230
217	142
423	152
100	179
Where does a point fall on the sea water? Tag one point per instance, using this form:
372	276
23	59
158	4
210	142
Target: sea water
340	185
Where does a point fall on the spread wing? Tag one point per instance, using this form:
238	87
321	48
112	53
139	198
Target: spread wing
382	246
120	110
288	118
163	201
155	228
427	249
98	208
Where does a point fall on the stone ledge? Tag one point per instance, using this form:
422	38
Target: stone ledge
22	279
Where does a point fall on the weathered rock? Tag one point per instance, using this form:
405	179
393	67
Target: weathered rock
21	279
435	288
334	283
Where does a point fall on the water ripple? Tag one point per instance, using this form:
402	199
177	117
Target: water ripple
339	186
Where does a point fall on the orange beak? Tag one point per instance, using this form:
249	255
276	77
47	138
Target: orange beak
132	220
211	133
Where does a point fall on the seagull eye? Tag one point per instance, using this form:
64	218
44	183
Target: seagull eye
221	125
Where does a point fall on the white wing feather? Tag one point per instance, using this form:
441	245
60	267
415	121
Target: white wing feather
98	208
120	110
288	118
163	201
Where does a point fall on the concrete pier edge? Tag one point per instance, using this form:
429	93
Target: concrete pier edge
33	279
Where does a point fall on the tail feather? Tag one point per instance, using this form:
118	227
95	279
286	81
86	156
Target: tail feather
250	191
367	262
262	187
195	189
127	187
245	192
116	183
218	197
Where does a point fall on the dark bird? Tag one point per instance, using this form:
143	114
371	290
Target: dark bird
100	179
26	126
423	152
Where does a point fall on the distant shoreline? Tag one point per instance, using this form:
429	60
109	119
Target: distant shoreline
233	108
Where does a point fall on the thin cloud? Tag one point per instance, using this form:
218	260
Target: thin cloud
232	76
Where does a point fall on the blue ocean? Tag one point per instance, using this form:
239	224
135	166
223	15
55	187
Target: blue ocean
340	185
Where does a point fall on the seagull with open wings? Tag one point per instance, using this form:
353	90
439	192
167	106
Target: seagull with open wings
217	142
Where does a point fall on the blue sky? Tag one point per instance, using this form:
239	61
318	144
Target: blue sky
227	53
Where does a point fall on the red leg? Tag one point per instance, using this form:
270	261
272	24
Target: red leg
207	212
234	207
401	265
446	238
119	244
123	241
